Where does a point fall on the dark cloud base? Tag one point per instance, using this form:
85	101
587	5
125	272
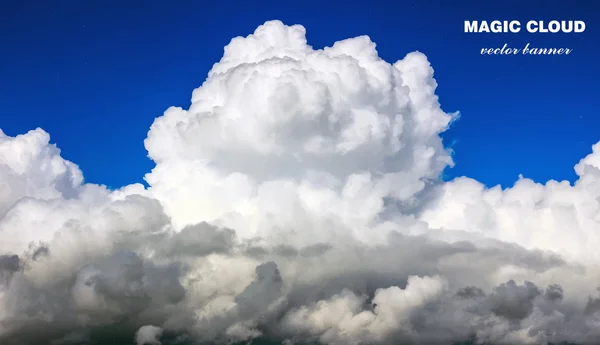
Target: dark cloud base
118	336
174	341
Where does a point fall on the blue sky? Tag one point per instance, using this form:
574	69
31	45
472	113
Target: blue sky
95	74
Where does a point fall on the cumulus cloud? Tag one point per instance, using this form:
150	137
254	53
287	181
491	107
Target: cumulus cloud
148	335
297	200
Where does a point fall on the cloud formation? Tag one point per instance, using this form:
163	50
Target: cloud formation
297	200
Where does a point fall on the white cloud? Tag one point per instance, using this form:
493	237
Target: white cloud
148	335
555	216
298	198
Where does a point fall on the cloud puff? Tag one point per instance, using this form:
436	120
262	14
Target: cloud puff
297	200
555	216
148	335
278	122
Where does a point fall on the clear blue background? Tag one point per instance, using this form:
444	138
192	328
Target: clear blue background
94	74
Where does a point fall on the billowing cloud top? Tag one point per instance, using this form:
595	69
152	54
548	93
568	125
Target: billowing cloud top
297	200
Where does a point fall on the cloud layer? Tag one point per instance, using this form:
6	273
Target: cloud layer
297	200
